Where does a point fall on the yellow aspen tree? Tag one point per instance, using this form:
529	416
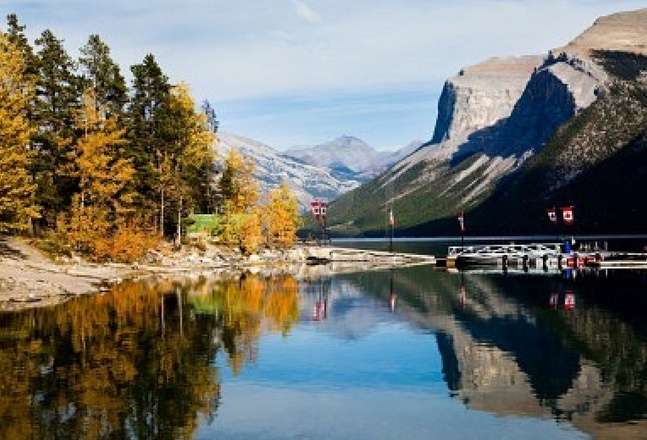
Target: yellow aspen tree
17	189
104	201
238	186
104	174
191	151
282	217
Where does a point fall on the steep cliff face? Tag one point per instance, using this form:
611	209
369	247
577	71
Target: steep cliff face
596	161
481	95
492	118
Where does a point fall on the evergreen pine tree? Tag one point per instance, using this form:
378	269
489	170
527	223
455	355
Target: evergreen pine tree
150	99
103	76
16	35
57	91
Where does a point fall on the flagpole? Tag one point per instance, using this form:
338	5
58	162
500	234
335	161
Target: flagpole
392	223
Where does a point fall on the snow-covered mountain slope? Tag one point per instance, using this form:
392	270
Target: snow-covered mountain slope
273	168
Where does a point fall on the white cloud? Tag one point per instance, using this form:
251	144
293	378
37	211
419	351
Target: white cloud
306	12
258	48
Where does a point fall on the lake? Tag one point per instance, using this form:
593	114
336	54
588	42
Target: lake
411	353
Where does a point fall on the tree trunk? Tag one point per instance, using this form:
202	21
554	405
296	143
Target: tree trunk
161	231
179	224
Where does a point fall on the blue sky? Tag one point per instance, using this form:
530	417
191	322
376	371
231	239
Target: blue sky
290	72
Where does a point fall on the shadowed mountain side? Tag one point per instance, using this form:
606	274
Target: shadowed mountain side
595	161
513	138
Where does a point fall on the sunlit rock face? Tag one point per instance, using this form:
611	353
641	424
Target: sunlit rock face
480	95
624	31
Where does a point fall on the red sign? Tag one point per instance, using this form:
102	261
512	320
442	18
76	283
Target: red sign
552	215
318	208
567	215
461	221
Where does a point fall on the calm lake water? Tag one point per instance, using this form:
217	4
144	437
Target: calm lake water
413	353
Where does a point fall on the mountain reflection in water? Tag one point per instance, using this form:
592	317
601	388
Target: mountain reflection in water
412	352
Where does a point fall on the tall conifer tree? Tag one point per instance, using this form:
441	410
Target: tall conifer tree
103	76
150	100
57	90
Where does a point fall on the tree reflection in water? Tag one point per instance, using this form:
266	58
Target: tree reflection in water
135	362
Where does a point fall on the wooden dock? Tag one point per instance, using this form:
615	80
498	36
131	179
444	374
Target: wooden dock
325	254
540	256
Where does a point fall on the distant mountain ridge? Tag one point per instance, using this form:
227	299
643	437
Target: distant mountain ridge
494	121
350	155
273	168
326	179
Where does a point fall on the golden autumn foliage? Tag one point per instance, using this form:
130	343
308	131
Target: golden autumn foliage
241	225
101	222
242	230
187	153
128	243
238	186
246	304
282	217
104	174
17	190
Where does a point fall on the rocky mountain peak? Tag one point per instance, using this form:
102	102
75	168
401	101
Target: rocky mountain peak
347	141
623	31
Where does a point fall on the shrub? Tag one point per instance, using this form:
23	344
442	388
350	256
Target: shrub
128	244
242	230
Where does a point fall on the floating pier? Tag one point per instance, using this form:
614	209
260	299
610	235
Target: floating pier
540	255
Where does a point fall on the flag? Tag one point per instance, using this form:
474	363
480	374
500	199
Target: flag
567	215
315	208
552	215
391	218
461	221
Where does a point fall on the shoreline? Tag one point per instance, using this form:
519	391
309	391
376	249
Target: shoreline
30	279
